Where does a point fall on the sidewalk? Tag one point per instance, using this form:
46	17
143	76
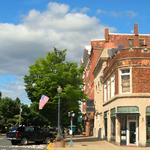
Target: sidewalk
90	144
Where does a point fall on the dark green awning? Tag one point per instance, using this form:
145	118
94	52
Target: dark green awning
148	111
105	114
113	112
127	109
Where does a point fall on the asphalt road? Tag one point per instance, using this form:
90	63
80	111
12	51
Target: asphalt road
6	145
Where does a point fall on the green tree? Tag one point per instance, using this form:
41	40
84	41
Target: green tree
0	95
44	77
8	110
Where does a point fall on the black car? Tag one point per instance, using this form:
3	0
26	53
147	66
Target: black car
23	135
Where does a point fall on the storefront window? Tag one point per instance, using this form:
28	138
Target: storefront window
148	129
113	127
123	130
105	124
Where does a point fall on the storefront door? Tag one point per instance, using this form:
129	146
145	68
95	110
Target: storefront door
132	132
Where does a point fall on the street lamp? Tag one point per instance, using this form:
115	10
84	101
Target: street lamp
20	111
71	115
59	90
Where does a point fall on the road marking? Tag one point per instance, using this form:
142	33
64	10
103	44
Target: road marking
27	146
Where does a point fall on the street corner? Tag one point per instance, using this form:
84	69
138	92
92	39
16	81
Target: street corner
50	146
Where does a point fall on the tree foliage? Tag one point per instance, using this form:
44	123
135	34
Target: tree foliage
10	114
9	109
44	77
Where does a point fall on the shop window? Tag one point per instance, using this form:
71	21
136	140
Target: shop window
125	80
148	129
105	124
113	128
123	130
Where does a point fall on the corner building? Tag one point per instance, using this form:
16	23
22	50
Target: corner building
122	89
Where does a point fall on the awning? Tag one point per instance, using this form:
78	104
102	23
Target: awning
127	110
113	112
148	111
105	114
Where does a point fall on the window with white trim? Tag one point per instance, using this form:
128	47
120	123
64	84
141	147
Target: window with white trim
109	88
112	86
125	75
105	92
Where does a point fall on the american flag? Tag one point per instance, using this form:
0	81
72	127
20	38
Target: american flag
44	99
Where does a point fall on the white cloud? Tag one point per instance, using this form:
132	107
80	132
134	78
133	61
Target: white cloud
128	13
58	26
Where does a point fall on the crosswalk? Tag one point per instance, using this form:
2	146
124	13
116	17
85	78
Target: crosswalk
28	147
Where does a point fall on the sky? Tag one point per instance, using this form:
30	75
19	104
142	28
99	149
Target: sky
31	28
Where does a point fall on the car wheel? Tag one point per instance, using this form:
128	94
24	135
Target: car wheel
13	142
24	141
47	140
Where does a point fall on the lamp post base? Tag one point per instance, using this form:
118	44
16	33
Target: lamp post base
59	143
70	143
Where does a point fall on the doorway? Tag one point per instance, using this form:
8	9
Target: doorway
132	132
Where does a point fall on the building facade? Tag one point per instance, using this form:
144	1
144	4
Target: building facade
91	55
122	89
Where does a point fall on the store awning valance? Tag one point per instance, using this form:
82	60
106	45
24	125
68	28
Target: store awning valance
127	110
113	112
148	111
105	114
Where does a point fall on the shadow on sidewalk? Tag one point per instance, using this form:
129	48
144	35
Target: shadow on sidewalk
81	138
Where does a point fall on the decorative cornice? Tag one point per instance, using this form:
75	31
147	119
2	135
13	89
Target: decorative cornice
131	95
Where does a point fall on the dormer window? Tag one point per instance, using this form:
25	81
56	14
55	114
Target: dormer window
141	42
130	42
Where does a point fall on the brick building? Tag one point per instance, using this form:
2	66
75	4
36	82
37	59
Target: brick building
122	88
91	55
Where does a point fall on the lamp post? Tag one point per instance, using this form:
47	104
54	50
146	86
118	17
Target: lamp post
59	90
20	111
71	115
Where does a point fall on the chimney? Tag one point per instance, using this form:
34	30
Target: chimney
136	32
106	34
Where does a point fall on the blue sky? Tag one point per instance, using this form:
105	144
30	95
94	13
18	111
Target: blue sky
30	28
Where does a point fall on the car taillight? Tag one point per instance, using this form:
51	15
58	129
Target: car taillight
18	134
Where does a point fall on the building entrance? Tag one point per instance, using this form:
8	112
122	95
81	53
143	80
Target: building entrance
132	132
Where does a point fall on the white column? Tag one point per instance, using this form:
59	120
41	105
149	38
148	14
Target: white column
117	130
142	127
108	126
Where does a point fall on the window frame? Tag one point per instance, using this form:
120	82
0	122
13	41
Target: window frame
112	86
120	80
131	45
141	41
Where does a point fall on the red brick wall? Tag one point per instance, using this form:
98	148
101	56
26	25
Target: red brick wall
139	61
141	80
123	39
89	78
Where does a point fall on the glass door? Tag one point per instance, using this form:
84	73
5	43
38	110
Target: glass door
132	132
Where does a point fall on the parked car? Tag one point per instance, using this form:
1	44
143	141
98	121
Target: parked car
23	135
